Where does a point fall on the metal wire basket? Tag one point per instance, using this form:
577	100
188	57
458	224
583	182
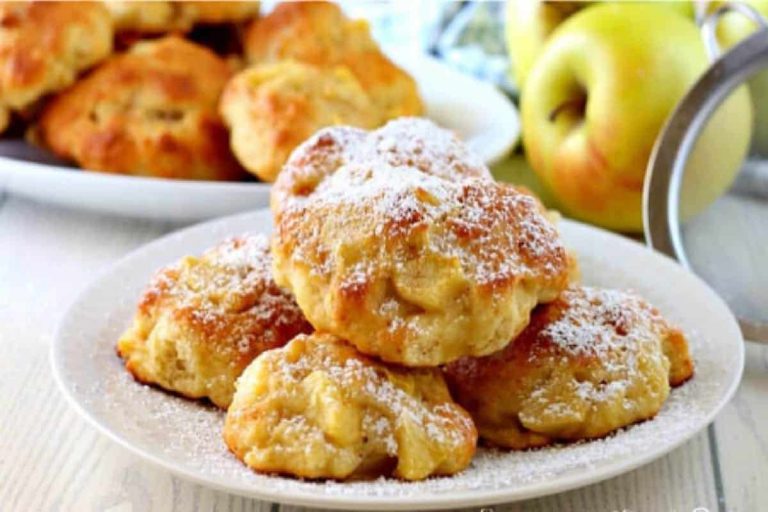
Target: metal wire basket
727	244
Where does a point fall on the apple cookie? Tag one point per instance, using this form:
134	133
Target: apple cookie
317	408
590	362
202	321
272	108
416	269
149	112
159	16
45	45
318	33
408	141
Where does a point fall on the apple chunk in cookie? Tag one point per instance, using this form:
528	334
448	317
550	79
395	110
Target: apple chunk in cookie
415	269
203	320
317	408
590	362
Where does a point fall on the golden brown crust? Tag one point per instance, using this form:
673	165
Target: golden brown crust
5	118
410	142
221	12
178	15
588	363
149	112
318	33
272	108
137	17
675	347
203	320
414	268
45	45
317	408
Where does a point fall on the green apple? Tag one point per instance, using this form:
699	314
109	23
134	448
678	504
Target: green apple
529	23
597	98
732	28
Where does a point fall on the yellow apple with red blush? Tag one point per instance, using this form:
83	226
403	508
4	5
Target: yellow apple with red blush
529	23
598	96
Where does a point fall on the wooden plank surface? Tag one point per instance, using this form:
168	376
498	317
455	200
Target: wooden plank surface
742	437
735	230
50	459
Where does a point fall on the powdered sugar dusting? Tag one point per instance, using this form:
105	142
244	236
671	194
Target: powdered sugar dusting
614	327
405	142
187	436
404	180
498	233
599	320
417	142
366	383
229	295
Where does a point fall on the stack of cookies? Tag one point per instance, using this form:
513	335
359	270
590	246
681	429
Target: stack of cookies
190	89
408	305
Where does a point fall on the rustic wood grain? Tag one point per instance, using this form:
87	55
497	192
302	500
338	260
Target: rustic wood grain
742	437
728	245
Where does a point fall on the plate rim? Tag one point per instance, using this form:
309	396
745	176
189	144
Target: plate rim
11	166
456	499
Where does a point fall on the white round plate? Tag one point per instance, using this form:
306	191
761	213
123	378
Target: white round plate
476	110
185	437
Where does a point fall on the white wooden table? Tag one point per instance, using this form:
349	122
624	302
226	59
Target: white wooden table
50	459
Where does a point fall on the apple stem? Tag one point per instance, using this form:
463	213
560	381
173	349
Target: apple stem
577	105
